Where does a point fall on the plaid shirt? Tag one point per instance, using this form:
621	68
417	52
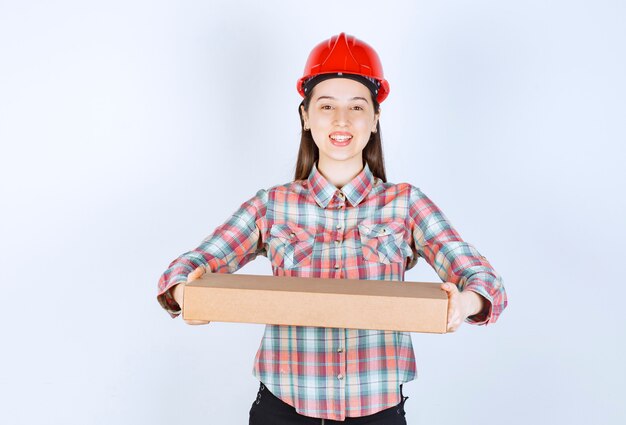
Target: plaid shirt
366	230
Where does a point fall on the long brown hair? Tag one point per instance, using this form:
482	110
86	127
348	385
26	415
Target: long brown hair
308	154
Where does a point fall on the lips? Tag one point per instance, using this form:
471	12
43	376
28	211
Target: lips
340	138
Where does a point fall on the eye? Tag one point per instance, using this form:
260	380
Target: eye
326	107
358	108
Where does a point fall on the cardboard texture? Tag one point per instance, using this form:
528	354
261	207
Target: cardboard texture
333	303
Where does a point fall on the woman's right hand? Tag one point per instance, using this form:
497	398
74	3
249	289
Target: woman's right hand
179	289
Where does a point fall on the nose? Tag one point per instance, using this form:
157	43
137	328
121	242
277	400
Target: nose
341	117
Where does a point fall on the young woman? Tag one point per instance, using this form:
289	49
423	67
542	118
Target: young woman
340	219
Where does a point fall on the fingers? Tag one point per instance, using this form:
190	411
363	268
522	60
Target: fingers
196	274
455	318
197	322
449	288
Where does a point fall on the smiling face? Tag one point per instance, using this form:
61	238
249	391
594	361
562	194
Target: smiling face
341	118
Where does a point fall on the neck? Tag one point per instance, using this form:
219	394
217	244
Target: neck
340	173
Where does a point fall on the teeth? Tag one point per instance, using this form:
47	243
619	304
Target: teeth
341	138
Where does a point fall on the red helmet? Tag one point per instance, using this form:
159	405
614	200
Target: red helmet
343	54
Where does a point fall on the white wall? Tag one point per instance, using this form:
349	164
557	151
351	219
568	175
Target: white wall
130	129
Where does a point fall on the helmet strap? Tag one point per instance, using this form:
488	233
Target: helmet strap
372	84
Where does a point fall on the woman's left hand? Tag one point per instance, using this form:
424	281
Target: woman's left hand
461	305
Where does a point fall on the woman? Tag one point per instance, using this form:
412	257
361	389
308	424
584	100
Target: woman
340	219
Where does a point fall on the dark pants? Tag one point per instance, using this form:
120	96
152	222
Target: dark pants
268	409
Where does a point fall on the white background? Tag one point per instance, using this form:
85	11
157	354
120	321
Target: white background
129	130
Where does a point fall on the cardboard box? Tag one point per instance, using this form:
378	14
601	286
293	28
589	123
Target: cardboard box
334	303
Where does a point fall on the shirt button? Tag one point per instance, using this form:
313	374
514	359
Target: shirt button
337	241
340	376
341	195
336	266
340	350
338	227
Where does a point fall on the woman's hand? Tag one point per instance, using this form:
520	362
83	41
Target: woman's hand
179	289
461	305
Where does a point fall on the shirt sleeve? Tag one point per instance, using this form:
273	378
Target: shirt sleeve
233	244
454	260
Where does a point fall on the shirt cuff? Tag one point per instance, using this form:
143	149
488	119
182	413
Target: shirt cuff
167	301
486	316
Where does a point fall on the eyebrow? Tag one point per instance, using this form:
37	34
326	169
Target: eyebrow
333	98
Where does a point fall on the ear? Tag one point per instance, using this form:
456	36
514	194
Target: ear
305	116
376	118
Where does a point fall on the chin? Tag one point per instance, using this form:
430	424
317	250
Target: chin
340	158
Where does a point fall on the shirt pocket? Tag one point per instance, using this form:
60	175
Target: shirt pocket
384	242
290	246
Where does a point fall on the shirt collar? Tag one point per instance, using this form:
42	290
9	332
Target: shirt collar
355	191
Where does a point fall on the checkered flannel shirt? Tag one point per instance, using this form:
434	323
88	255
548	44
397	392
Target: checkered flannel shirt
366	230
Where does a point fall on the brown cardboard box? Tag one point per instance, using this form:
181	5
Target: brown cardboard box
336	303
